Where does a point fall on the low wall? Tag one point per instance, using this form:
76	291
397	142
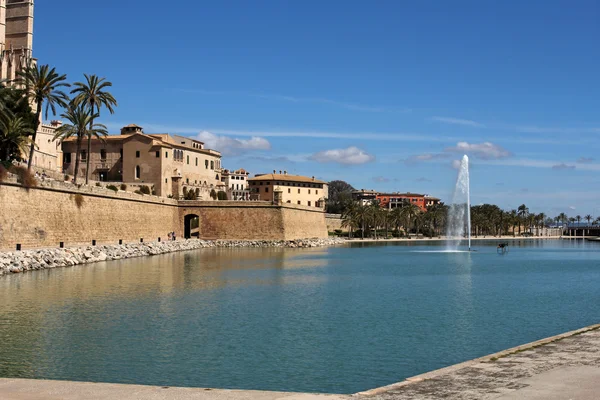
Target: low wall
46	215
250	220
334	221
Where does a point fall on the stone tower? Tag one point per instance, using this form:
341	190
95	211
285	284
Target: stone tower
16	36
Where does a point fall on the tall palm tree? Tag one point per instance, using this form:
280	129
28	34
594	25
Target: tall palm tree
588	218
522	212
92	94
578	218
14	137
79	127
42	85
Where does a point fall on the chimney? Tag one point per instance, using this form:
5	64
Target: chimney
313	178
274	171
285	172
279	172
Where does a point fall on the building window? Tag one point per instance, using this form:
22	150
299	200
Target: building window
298	191
166	154
187	180
217	177
102	154
188	160
267	189
83	155
316	192
137	172
158	154
137	154
298	201
289	190
309	193
206	164
309	203
166	180
196	161
121	152
212	165
67	158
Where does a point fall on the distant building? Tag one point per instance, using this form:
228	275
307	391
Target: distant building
285	188
236	183
394	200
172	164
364	197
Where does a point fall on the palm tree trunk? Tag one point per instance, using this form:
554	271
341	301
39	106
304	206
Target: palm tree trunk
38	114
89	149
78	150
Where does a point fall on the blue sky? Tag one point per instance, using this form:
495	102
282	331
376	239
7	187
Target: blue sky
385	95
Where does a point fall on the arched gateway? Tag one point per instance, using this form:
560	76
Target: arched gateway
191	226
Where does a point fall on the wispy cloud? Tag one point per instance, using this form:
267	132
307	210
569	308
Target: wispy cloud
549	129
427	157
348	156
458	121
298	99
422	179
563	166
380	179
585	160
233	146
484	151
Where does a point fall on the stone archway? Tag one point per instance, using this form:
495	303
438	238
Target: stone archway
191	226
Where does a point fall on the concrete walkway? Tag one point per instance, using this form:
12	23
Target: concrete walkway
565	367
33	389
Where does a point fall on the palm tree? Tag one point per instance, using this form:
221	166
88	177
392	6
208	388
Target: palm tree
522	212
578	218
588	218
14	137
410	213
79	127
92	94
41	85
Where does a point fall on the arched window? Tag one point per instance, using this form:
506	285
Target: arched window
137	172
217	177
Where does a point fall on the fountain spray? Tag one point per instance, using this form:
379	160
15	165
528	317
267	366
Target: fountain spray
459	214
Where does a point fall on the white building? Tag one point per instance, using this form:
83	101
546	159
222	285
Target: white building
237	184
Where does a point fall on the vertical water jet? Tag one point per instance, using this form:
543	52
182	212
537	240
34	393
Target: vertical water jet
459	213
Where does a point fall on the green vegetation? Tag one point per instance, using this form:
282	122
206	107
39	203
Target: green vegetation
78	200
221	195
123	186
92	96
339	196
112	187
145	189
79	127
42	85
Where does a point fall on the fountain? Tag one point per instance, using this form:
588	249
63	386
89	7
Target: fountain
459	214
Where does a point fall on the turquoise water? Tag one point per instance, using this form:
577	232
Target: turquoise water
338	320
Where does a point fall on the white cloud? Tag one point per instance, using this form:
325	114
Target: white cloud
349	156
458	121
585	160
455	164
484	151
380	179
232	146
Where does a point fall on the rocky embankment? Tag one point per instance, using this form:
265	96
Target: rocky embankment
30	260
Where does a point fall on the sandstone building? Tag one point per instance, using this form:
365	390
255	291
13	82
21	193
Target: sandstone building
236	183
16	36
172	164
284	188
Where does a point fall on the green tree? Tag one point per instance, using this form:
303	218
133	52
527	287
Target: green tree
93	95
42	85
339	196
588	218
80	128
14	138
523	213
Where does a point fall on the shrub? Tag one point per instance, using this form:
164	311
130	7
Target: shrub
145	189
123	186
24	177
67	179
138	192
78	200
338	232
153	190
112	187
98	184
213	194
222	195
189	195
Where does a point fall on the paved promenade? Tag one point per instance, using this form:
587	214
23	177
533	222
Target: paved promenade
563	367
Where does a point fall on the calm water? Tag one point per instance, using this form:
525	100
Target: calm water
327	320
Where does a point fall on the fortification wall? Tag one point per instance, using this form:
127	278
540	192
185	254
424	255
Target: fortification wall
334	221
47	215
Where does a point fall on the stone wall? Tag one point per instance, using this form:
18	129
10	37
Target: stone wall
46	215
334	221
